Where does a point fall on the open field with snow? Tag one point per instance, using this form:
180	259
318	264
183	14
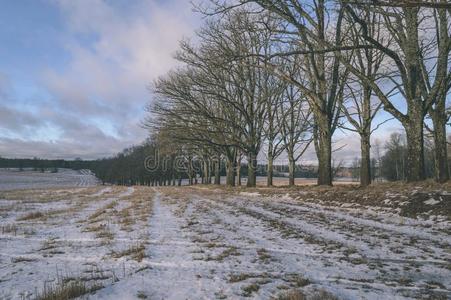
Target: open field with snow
13	179
216	243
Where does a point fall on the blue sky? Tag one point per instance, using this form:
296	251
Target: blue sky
74	74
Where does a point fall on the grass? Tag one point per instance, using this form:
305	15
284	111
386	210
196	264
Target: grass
230	251
141	295
67	290
48	245
105	234
291	295
249	289
240	277
298	295
102	210
22	259
95	228
298	280
9	228
31	216
137	252
263	254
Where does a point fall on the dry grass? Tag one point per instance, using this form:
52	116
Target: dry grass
298	295
95	228
22	259
230	251
140	208
10	228
67	290
244	276
93	217
136	252
31	216
249	289
291	295
297	280
105	234
48	245
263	255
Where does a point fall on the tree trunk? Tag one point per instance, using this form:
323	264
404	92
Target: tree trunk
238	167
205	172
252	170
415	148
230	172
441	151
218	171
238	172
365	161
269	173
324	152
291	167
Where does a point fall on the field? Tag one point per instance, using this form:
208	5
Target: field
16	180
108	242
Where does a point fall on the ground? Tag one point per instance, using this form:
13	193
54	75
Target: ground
14	179
206	242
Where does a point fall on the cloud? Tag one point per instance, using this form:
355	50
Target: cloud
124	53
13	147
15	121
97	88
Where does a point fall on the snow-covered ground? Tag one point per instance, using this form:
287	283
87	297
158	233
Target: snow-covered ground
205	243
14	179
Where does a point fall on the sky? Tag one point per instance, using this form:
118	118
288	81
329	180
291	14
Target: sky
75	74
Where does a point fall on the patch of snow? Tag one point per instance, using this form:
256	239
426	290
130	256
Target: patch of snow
250	194
431	201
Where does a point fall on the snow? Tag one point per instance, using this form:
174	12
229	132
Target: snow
431	201
250	194
27	179
207	243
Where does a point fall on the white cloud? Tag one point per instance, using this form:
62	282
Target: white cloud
112	52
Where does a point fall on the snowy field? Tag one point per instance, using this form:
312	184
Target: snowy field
13	179
208	243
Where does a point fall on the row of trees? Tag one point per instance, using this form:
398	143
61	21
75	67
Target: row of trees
38	164
277	76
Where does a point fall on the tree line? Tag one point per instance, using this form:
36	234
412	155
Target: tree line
266	77
43	165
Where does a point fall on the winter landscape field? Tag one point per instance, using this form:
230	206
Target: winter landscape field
199	242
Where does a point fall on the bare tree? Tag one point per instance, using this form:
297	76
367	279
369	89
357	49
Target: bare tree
362	108
294	117
274	90
312	26
411	54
